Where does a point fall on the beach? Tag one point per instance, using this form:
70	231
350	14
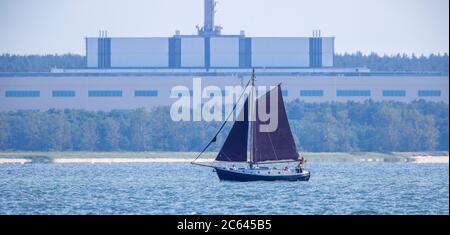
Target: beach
187	157
430	159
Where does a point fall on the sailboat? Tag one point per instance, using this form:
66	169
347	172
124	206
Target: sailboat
265	147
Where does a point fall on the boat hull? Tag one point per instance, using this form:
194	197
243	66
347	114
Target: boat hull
231	175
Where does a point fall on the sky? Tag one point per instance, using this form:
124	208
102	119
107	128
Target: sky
381	26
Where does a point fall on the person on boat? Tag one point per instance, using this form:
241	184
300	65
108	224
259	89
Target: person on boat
299	168
301	163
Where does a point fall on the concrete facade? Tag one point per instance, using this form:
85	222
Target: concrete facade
131	91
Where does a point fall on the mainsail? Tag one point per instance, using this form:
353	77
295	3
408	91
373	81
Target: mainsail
278	145
235	147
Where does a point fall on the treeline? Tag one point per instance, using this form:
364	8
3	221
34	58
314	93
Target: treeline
402	63
431	63
370	126
39	63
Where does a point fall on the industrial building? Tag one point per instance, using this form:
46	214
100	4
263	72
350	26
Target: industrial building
129	73
219	51
210	49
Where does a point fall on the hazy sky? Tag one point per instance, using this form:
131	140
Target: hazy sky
382	26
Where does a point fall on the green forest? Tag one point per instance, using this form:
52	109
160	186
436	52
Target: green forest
397	63
39	63
433	63
334	127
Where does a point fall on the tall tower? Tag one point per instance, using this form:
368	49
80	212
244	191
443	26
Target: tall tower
210	6
209	28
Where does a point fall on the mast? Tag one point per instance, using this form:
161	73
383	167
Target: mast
252	109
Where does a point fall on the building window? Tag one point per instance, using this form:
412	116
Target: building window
429	93
311	93
263	92
146	93
105	93
218	93
394	93
175	94
353	93
213	93
22	94
63	93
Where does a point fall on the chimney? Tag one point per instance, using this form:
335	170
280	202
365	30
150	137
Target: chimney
209	15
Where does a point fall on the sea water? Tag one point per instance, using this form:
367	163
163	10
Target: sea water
162	188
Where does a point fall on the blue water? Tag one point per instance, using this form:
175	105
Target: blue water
340	188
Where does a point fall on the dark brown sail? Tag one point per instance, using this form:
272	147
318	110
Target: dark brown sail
235	147
278	145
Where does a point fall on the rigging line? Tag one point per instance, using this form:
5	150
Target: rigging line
227	156
273	148
225	122
254	142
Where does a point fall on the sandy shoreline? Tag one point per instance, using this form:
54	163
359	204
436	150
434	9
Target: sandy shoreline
430	159
127	160
14	160
105	160
93	160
